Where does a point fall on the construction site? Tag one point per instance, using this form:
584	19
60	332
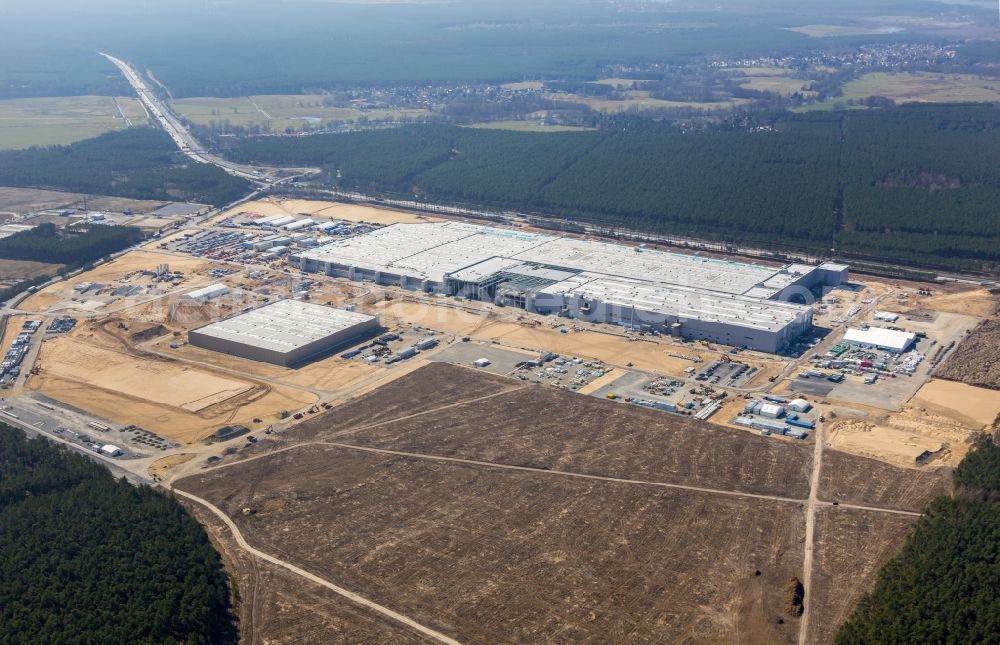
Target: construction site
532	445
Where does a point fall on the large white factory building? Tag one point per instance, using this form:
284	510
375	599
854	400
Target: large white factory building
733	303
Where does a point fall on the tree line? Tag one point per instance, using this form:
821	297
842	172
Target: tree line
46	243
91	559
141	163
915	183
944	585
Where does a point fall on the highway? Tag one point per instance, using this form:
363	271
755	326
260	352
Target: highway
264	177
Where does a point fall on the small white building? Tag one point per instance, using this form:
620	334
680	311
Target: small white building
887	339
109	450
211	292
886	316
481	362
772	411
799	405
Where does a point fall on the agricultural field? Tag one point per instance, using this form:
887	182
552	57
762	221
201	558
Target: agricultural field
276	112
451	488
64	119
638	100
916	87
976	360
527	126
778	84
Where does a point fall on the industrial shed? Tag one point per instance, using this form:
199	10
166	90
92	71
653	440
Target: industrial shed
886	339
287	332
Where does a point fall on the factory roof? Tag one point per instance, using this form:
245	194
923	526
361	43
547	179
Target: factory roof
890	339
285	325
682	302
465	252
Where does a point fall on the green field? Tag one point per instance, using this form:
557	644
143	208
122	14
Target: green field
917	87
784	85
275	112
639	100
63	119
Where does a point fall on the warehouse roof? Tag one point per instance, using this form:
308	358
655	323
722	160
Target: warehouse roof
891	339
285	325
438	250
210	291
682	302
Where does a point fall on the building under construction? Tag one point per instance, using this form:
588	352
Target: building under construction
734	303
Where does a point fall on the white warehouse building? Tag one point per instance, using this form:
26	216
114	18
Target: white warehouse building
886	339
734	303
287	332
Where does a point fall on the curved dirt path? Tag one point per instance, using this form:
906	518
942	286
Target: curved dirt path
350	595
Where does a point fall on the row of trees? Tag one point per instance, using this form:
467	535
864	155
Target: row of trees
90	559
944	586
912	183
141	163
46	243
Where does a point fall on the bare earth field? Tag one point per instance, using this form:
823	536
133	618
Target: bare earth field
976	360
490	556
15	270
328	210
850	479
851	547
527	426
25	200
275	607
490	511
94	370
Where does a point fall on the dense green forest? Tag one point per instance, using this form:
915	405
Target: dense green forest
90	559
944	586
141	163
46	243
917	184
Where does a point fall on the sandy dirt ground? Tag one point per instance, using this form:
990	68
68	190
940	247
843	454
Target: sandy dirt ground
977	404
160	467
92	370
330	373
11	331
330	210
607	348
942	418
880	442
165	383
609	377
116	270
979	303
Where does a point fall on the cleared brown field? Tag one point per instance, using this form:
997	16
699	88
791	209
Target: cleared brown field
851	547
488	555
558	430
495	512
274	607
869	482
976	360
